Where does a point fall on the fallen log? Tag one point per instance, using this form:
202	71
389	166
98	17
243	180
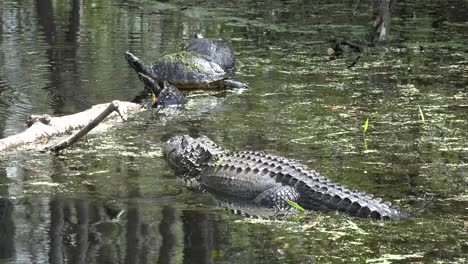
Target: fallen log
43	127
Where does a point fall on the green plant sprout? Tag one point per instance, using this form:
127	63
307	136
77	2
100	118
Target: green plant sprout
366	125
295	205
422	115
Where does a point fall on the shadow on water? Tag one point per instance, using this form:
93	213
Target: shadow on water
112	199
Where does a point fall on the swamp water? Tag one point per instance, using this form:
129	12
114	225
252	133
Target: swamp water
112	198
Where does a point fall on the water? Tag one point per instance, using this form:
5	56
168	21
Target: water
112	198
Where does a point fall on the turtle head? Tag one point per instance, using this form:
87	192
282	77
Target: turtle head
135	62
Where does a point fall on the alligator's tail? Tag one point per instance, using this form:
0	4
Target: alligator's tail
329	196
136	63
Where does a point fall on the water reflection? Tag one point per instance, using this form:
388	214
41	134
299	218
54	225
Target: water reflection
61	56
82	231
7	230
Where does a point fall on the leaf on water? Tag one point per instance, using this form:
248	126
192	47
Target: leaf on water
295	205
366	125
422	115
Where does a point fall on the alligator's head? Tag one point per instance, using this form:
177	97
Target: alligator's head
188	155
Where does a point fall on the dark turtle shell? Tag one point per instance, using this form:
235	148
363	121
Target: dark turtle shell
182	69
187	70
216	51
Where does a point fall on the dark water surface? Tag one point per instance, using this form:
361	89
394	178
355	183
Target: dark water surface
112	198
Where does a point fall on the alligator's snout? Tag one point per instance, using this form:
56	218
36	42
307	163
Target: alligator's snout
174	144
188	155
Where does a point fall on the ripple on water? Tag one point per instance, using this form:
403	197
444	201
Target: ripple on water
15	107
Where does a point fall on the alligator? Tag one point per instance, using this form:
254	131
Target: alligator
268	180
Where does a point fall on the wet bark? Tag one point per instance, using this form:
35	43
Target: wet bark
44	126
112	107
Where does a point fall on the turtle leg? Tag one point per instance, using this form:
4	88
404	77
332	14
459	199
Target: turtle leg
234	84
150	84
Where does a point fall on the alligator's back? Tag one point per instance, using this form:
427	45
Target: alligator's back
257	175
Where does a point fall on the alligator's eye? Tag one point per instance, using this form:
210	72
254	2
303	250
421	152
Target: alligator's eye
184	142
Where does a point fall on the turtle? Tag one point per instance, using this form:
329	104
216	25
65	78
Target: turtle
163	94
194	67
216	50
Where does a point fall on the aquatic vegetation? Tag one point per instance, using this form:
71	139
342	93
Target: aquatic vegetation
366	125
184	57
413	101
421	114
295	205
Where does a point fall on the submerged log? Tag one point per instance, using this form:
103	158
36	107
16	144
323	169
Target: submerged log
383	19
44	126
380	26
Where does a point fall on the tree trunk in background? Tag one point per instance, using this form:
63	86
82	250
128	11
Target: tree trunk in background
199	238
167	251
56	232
82	228
136	250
